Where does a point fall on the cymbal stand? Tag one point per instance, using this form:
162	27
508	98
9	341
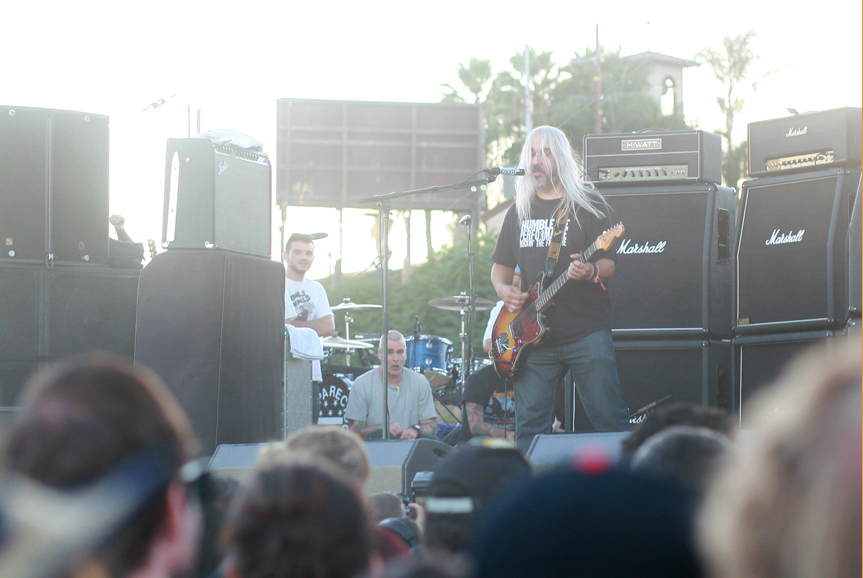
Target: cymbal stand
465	341
384	201
348	320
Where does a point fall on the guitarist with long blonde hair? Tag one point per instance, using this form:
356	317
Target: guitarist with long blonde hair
549	234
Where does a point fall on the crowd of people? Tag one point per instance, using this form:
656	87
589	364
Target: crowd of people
102	480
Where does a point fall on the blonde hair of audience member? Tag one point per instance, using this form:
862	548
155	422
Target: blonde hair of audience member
787	504
344	449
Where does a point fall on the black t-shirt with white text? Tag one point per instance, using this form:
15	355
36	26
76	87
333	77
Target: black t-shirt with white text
580	307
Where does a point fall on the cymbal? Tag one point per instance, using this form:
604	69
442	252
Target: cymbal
340	343
460	302
355	307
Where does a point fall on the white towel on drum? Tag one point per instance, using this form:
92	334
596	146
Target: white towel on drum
304	343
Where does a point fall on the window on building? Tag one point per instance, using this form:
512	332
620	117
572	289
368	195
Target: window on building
669	97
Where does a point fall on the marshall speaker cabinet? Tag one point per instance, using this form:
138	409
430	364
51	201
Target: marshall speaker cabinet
673	274
791	262
688	370
217	194
759	359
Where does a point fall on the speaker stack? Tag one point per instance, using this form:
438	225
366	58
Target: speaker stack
797	258
210	316
671	291
58	294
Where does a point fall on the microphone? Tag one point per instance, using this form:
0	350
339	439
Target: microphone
515	171
464	220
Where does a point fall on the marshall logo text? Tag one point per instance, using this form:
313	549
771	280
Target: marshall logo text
626	249
797	131
778	238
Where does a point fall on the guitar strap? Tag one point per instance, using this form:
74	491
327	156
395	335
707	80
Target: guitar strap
554	246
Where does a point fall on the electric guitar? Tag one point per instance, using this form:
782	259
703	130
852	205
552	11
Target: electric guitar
516	333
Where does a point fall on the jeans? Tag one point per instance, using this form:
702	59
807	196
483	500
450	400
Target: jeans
594	374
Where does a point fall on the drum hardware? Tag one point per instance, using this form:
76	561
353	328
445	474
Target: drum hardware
460	302
348	306
436	379
336	342
448	395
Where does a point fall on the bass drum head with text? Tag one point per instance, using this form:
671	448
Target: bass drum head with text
334	392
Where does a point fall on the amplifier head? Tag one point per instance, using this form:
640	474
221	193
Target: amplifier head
658	157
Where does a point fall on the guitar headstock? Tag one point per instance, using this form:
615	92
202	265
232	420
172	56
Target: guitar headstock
606	240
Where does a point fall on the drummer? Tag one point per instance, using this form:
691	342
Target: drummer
487	401
410	403
306	302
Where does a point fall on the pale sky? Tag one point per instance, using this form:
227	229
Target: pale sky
234	60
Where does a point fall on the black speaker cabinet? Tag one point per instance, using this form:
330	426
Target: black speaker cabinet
211	324
759	359
13	376
79	187
855	255
673	273
53	185
216	195
19	311
394	463
23	183
791	265
689	370
90	309
47	314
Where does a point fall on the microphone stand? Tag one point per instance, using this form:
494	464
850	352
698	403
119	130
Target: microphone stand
385	203
467	353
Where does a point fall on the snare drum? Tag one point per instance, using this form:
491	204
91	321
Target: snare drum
429	352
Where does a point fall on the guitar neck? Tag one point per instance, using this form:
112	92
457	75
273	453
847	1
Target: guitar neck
548	294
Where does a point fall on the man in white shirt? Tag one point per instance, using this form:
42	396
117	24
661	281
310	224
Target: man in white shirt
306	297
306	302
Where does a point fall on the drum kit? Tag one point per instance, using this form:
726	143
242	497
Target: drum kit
430	355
